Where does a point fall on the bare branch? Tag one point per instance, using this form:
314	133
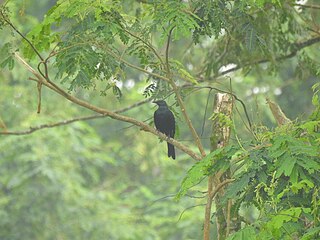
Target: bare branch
209	202
39	87
188	208
297	47
43	126
167	51
219	186
188	120
137	104
66	122
234	95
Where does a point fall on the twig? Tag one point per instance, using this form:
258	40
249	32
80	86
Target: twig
40	76
219	58
162	198
21	35
43	126
210	199
228	217
39	87
225	51
219	186
167	52
207	216
134	66
235	97
54	53
188	208
205	112
66	122
147	44
197	197
297	47
36	51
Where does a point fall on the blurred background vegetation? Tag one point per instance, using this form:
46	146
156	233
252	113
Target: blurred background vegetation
104	179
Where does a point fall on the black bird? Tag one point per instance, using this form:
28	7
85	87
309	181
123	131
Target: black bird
165	123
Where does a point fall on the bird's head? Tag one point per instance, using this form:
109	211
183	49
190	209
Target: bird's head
160	103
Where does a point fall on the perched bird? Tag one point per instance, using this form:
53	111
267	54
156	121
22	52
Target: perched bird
165	123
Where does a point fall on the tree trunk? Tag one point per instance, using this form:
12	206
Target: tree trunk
219	138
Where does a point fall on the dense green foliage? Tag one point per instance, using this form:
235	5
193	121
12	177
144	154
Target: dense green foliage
278	178
105	179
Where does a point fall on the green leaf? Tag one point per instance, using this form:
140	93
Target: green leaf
294	175
311	234
250	37
6	55
309	164
182	72
247	233
310	126
174	17
304	184
303	149
291	214
315	100
187	76
286	164
278	147
239	185
8	62
198	171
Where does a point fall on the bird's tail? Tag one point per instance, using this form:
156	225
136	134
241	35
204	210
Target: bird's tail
171	151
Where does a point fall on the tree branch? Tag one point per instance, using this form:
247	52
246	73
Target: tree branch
142	125
174	87
167	52
188	208
209	204
180	101
297	47
234	95
219	186
45	80
66	122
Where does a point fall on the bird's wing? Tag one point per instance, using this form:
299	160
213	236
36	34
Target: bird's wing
172	124
156	119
